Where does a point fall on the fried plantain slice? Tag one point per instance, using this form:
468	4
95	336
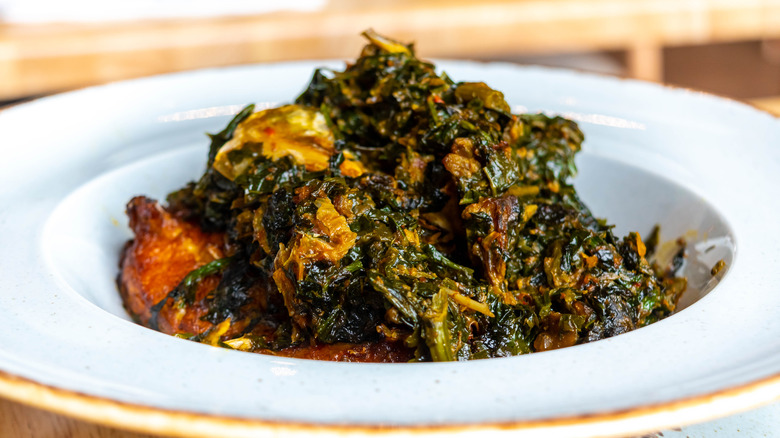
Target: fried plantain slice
164	251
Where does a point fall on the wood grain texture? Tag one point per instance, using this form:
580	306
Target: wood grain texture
20	421
38	59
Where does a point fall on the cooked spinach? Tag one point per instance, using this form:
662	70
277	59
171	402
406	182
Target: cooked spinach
392	202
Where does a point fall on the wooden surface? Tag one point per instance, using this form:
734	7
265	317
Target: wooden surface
20	421
37	59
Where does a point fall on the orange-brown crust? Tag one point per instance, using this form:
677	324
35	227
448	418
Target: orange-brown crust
167	248
164	251
173	320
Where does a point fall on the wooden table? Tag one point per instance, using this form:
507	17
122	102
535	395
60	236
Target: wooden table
38	59
17	420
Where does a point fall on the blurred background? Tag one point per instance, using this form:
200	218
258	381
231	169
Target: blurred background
729	47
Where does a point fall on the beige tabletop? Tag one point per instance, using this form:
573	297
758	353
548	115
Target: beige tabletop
44	58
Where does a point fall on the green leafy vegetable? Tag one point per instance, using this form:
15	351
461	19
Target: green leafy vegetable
390	202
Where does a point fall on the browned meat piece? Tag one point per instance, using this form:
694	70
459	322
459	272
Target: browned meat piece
164	251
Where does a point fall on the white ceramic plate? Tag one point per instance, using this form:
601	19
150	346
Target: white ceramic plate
686	160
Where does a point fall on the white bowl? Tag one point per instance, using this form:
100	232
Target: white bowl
698	165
